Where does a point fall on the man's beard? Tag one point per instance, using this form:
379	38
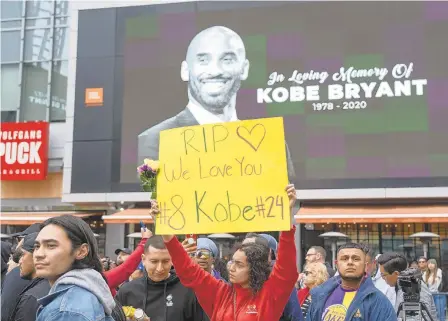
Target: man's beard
28	276
352	278
215	104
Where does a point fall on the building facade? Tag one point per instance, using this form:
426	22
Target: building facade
34	71
34	60
84	71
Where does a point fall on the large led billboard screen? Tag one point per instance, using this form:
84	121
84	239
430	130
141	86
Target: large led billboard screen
362	87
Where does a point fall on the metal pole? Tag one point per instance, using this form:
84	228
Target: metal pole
298	238
333	253
425	249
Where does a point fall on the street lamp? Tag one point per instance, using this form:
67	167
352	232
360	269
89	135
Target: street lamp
333	237
425	238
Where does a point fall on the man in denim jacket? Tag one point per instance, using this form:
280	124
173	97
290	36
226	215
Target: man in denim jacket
350	296
66	254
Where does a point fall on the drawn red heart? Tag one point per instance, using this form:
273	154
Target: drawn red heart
253	140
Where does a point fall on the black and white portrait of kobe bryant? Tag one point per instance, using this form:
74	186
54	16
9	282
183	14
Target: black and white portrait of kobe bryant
214	67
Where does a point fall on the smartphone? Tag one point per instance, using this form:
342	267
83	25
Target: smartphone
192	238
142	226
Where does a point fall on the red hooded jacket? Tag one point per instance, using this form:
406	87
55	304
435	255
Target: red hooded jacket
121	273
216	297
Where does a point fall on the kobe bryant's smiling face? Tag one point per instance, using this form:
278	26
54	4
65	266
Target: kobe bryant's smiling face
214	68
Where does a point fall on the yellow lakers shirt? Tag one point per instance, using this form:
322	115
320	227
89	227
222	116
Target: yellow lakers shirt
337	304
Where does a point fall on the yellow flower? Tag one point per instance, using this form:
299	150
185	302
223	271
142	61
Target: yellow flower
152	163
129	311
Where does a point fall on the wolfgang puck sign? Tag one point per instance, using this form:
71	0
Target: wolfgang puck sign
24	150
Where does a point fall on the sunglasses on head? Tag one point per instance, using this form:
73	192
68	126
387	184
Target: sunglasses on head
201	254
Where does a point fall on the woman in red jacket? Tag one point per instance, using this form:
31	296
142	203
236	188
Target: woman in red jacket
121	273
254	292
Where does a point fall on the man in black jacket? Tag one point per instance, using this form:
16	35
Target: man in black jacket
6	253
27	305
159	293
13	284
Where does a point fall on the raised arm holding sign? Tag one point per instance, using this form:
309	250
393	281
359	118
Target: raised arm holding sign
227	177
254	293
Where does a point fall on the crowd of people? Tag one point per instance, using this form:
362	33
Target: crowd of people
55	273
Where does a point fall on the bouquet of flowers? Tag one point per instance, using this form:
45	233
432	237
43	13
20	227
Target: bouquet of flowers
148	176
132	313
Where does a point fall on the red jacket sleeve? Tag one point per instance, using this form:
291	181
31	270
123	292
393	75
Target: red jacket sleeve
121	273
284	274
302	294
191	275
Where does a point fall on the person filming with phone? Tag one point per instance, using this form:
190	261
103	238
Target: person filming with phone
255	293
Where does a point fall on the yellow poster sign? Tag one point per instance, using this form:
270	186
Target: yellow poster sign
227	177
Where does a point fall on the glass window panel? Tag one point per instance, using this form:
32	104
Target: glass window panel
351	232
37	44
39	9
34	94
11	9
375	247
419	227
8	116
408	251
10	89
363	233
443	229
434	251
434	228
60	45
408	229
38	23
386	235
412	243
444	253
322	227
418	249
11	24
59	91
62	8
61	21
10	44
